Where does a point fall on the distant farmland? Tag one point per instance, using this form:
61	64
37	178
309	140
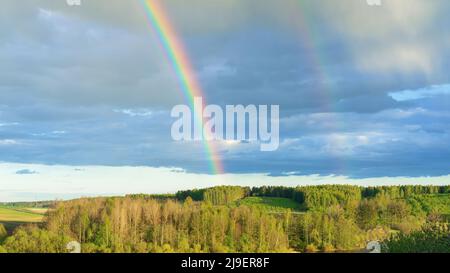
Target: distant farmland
11	217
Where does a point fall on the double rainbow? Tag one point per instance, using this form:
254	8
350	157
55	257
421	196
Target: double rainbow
179	60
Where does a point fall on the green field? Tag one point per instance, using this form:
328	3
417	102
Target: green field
13	216
271	204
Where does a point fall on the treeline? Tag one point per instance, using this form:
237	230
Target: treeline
37	204
220	195
326	195
404	191
311	197
139	225
151	196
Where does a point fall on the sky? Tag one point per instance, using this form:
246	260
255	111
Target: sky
86	93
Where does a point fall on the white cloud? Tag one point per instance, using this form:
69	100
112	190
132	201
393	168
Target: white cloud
8	142
422	93
9	124
135	112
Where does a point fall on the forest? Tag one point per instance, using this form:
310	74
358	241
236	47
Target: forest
223	219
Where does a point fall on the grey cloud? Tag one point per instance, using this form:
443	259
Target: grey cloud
26	172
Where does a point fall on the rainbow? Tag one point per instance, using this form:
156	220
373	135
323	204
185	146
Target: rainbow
315	58
179	60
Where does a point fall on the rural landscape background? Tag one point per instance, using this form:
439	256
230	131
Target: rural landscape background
87	153
333	218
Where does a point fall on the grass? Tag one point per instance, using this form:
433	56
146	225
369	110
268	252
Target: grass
22	215
271	204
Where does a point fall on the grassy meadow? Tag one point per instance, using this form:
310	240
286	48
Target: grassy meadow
271	204
12	217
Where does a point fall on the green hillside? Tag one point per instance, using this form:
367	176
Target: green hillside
24	215
270	204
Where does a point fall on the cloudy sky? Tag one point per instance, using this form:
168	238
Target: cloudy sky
86	93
